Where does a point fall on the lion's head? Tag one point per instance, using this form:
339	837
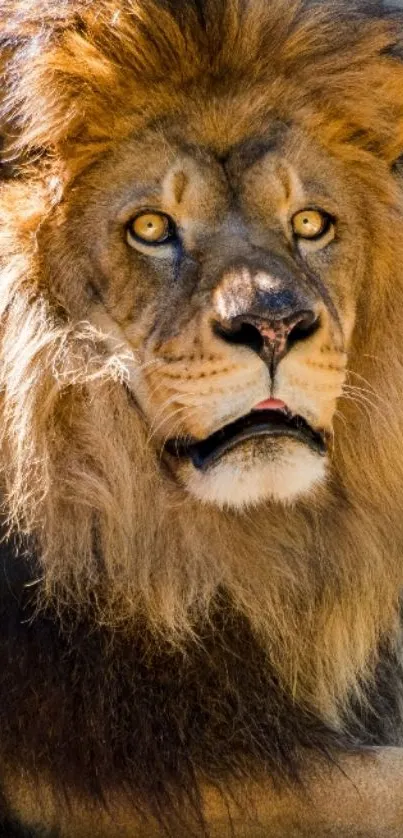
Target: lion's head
224	274
201	321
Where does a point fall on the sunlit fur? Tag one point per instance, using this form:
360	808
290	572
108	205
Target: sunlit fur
318	581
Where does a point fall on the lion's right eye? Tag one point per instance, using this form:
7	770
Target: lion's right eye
151	228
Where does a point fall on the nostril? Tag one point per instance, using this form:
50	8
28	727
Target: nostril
274	336
306	326
243	334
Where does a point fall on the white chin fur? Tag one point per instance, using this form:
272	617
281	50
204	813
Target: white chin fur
291	474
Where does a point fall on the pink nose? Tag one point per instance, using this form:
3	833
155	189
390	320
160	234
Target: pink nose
279	335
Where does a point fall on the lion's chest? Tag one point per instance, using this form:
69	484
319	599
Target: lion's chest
93	715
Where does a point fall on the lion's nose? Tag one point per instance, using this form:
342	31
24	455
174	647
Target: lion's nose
268	311
271	337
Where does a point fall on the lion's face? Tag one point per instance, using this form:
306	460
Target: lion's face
231	277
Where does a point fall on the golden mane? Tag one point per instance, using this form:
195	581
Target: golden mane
320	581
81	76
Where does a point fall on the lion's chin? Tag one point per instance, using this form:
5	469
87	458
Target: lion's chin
256	471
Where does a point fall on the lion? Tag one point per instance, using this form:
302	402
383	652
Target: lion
201	418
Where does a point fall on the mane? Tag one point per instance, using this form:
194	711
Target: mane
78	77
318	582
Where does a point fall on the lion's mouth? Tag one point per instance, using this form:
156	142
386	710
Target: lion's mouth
259	423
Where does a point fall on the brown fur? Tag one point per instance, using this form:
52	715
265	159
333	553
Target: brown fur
362	800
319	581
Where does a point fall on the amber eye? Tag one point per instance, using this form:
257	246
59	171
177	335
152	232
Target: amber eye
151	228
310	223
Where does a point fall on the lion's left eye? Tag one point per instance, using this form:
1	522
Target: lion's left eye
151	228
310	223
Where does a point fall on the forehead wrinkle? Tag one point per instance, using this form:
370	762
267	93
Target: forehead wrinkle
179	183
292	184
283	174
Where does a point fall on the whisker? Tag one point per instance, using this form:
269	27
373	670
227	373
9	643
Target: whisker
360	396
366	404
174	399
369	389
155	428
361	377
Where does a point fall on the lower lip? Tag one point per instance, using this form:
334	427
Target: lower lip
205	453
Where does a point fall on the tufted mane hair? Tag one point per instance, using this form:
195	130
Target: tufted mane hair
79	75
318	582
